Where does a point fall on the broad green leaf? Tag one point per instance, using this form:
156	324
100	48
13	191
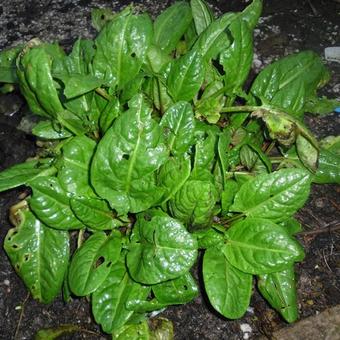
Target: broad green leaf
279	289
100	16
47	130
321	106
332	144
259	246
21	174
202	15
248	156
160	95
110	298
194	203
35	66
121	48
291	225
178	124
231	187
328	169
308	154
161	249
124	165
186	76
289	82
274	196
208	238
238	57
109	114
156	59
92	262
78	84
173	174
214	39
170	26
94	213
135	331
228	288
73	174
177	291
39	255
7	64
51	204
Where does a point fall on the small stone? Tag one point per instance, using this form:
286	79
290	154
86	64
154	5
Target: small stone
6	282
310	302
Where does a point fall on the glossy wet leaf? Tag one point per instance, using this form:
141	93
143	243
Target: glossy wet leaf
259	246
94	213
135	331
291	225
228	288
274	196
170	25
51	204
208	238
308	154
279	289
162	249
121	48
194	203
177	291
124	165
173	174
328	168
39	255
46	130
92	262
73	174
21	174
178	124
251	13
202	15
8	68
186	76
110	298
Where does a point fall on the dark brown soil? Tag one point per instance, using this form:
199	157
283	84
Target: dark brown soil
286	26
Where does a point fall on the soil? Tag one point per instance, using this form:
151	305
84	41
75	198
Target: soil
286	27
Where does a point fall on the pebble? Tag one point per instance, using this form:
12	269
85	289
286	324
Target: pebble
246	330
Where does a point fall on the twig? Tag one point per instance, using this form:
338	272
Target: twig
20	317
328	228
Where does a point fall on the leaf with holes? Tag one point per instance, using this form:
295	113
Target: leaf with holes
39	255
259	246
161	249
274	196
228	288
92	262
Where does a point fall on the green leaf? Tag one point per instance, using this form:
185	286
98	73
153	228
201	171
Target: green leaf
291	81
124	165
202	15
237	59
73	174
308	154
213	40
109	114
291	225
92	262
194	203
34	67
279	289
39	255
55	333
228	289
274	196
170	26
208	238
251	13
110	298
7	64
100	16
139	331
78	84
51	204
259	246
231	187
178	124
173	174
186	76
328	169
21	174
47	130
332	144
177	291
161	249
121	48
94	213
321	106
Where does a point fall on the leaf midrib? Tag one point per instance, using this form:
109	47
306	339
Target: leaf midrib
251	246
